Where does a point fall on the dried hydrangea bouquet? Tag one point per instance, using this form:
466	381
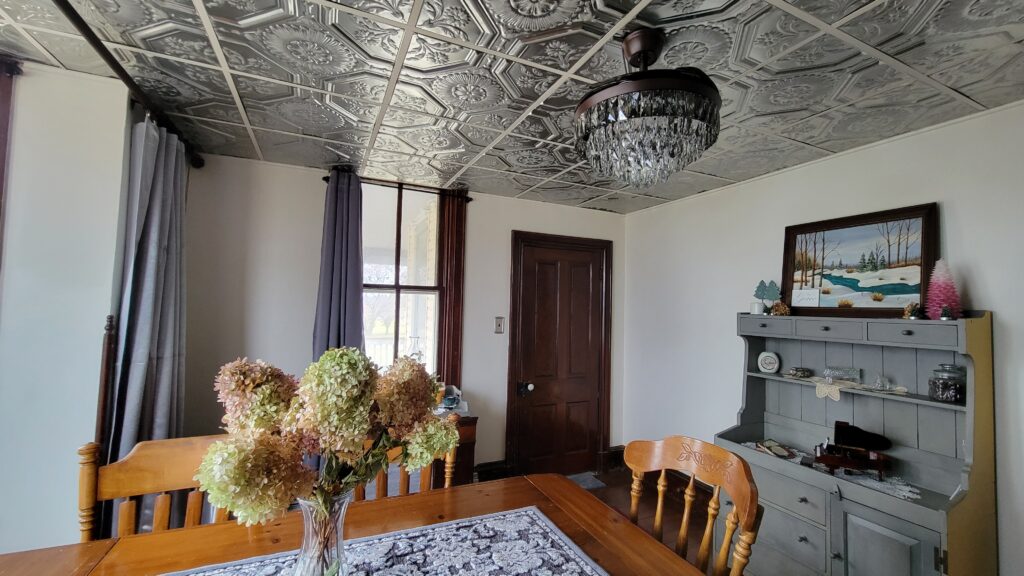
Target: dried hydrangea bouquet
344	411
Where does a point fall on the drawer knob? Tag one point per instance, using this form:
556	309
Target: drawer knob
802	500
762	325
907	332
837	556
802	539
825	328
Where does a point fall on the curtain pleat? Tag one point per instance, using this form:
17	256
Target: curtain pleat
339	302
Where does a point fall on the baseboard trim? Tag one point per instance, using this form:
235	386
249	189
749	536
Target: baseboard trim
496	470
611	459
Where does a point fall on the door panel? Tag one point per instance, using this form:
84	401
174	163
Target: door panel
866	542
558	327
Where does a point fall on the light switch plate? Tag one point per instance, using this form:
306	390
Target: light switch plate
499	324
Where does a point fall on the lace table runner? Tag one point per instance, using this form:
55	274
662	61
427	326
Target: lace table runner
522	541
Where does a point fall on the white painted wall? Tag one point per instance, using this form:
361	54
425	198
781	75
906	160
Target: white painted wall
490	223
252	242
693	264
57	270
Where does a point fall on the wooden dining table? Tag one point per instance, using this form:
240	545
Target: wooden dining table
602	533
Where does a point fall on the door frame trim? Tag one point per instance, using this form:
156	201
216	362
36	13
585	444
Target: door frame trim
520	241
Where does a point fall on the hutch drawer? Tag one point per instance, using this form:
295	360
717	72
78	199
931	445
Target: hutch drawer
795	538
916	334
766	325
830	329
795	496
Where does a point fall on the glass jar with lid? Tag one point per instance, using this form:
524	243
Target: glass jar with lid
948	384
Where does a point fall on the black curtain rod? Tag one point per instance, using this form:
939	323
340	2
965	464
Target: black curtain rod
426	190
133	88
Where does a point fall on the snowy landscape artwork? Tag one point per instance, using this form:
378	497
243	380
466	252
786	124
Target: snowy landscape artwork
872	261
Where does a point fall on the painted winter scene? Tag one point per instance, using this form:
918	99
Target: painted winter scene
874	265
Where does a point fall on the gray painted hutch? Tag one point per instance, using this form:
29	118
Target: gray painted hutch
816	523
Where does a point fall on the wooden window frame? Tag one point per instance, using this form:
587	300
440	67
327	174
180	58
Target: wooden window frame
449	276
8	70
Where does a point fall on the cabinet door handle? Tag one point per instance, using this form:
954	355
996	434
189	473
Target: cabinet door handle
802	500
837	556
762	325
907	332
802	539
825	328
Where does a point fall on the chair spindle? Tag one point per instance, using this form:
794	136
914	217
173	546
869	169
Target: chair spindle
705	543
403	481
689	496
220	515
360	493
382	484
721	561
427	477
659	511
162	512
126	518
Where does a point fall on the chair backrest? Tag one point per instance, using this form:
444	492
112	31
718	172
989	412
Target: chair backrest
404	478
154	467
711	465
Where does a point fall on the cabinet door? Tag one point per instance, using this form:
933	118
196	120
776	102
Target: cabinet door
866	542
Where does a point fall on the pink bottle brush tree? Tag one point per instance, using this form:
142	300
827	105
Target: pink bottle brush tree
943	298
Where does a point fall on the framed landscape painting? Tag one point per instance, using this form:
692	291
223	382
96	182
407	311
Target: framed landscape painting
871	265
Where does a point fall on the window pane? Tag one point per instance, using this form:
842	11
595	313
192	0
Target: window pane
420	212
380	212
379	325
417	332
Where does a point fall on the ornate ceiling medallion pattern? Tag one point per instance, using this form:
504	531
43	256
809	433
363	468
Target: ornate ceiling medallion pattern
313	79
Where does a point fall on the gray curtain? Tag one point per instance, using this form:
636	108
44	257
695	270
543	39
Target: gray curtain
339	301
148	389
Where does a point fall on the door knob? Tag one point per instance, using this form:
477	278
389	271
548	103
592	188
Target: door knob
524	388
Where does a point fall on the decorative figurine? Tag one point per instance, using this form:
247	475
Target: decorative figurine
769	291
943	296
780	309
912	311
799	372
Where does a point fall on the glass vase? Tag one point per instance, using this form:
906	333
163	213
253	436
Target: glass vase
323	540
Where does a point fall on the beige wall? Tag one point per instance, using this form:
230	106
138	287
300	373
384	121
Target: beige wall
57	270
252	249
693	264
490	223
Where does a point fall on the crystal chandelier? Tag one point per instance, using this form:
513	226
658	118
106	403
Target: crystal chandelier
642	127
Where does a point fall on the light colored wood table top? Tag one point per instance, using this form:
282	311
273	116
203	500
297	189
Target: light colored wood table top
604	534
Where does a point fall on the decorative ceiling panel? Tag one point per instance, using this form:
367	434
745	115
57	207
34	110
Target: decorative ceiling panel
623	203
483	93
683	184
493	182
13	43
216	137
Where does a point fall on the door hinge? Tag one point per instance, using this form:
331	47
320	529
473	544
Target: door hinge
941	561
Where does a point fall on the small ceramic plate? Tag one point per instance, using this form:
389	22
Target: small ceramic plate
768	362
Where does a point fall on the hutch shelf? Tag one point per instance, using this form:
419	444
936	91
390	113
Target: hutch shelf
819	524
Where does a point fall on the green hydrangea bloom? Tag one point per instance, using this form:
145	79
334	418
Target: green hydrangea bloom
429	439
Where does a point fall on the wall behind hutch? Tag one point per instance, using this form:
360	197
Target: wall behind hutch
691	265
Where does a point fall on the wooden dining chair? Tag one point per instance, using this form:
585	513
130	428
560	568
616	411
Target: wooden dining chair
711	465
404	478
154	467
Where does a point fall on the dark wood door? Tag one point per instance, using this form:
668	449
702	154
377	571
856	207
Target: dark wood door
559	356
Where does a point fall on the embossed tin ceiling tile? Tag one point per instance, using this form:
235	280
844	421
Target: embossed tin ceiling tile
683	184
933	35
856	125
456	19
169	27
567	95
993	79
13	43
288	149
410	169
743	165
623	203
305	43
496	183
461	92
216	137
829	10
393	9
41	13
724	37
73	52
561	193
530	157
278	107
585	175
178	87
445	139
823	53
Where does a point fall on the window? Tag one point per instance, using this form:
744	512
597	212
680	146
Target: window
401	280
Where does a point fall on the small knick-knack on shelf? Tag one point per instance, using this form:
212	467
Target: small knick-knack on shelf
770	292
943	298
780	309
912	311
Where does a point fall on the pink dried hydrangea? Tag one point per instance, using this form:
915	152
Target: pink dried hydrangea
255	395
406	394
